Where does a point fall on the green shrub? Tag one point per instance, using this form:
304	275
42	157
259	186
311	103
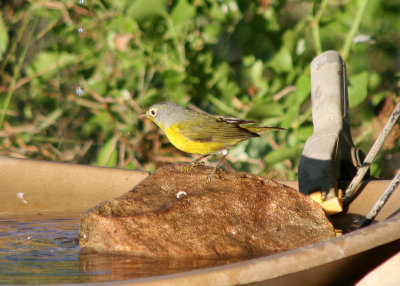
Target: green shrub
246	59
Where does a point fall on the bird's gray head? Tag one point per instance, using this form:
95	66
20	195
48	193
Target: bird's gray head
164	114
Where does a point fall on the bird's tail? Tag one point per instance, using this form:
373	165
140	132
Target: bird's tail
257	129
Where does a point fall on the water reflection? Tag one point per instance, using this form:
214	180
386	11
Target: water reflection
106	267
79	91
39	250
42	250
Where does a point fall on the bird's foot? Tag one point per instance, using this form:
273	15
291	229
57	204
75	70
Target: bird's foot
188	167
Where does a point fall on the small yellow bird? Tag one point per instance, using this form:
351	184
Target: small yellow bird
202	133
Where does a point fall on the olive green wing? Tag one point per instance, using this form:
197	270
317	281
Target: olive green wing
215	129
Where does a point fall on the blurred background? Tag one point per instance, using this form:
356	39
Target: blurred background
75	74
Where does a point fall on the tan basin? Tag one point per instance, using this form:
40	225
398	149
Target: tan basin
34	187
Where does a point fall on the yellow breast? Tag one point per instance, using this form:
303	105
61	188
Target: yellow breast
190	146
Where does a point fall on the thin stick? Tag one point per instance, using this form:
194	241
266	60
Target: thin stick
355	183
315	26
382	201
354	29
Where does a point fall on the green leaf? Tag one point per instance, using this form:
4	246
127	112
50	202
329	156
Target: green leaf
173	78
50	119
379	96
46	64
3	37
305	132
282	61
143	9
99	122
281	154
108	154
122	24
182	12
303	89
358	89
264	109
211	33
374	80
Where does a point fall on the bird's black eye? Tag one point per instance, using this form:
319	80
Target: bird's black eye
153	112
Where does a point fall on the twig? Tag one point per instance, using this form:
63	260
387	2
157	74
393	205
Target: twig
382	201
355	183
284	92
58	6
354	28
315	26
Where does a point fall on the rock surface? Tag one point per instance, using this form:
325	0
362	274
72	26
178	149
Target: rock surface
171	214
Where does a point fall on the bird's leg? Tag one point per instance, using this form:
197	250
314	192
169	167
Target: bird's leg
194	163
224	154
197	162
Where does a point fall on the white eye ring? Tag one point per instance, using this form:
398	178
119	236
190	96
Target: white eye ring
153	112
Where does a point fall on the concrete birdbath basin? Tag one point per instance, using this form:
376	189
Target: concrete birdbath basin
39	219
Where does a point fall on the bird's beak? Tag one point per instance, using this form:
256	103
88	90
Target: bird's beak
144	115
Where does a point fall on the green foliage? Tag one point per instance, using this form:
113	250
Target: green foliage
3	37
247	59
358	90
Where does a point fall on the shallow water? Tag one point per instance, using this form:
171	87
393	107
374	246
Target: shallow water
43	250
39	250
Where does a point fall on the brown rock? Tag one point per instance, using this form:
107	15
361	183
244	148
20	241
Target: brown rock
236	215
